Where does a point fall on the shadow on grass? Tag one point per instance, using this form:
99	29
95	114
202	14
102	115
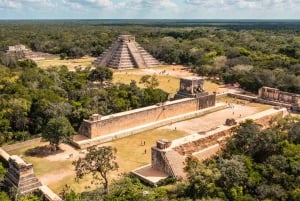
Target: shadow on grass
42	151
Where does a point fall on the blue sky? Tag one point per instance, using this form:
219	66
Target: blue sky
153	9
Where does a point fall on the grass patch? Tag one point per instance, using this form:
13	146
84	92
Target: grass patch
130	155
170	84
70	63
131	151
166	83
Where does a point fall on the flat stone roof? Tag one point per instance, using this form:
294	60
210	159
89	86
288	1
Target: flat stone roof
149	175
192	78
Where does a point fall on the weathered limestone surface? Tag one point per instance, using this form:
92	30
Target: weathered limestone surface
95	127
21	176
190	87
126	53
273	94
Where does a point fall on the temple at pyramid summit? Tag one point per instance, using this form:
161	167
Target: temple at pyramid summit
126	53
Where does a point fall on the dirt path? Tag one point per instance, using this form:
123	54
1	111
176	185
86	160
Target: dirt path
56	177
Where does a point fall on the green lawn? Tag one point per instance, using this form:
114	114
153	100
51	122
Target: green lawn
70	63
169	84
130	155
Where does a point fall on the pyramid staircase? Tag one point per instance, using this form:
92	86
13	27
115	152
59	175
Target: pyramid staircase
175	162
126	53
21	176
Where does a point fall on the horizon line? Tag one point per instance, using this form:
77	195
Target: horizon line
259	19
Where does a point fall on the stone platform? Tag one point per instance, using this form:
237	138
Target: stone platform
150	175
168	157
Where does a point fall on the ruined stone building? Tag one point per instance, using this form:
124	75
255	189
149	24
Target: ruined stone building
126	53
273	94
20	175
17	48
190	87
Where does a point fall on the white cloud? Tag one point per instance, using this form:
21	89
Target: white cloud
241	3
9	4
79	4
147	4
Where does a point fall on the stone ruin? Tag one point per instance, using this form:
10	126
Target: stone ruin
20	175
126	53
190	87
17	48
192	98
168	157
287	99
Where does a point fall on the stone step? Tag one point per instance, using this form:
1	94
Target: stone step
176	162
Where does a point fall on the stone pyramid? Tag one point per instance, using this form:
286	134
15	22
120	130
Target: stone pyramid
21	176
126	53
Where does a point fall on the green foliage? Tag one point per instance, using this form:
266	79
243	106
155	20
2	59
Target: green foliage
100	74
254	165
132	189
4	196
56	130
294	134
32	96
30	198
149	81
99	161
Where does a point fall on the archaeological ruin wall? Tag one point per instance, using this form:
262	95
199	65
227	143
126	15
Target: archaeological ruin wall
169	156
97	126
276	97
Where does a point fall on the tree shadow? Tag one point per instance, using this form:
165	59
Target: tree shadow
42	151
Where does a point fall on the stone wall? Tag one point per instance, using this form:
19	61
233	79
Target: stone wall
206	145
280	96
109	124
21	144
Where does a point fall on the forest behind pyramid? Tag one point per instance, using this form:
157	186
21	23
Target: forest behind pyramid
126	53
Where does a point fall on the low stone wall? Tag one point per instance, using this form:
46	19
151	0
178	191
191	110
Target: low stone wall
126	120
123	133
243	97
21	144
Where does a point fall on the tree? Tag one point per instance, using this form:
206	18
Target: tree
100	74
4	196
201	179
30	197
149	81
99	161
294	133
56	130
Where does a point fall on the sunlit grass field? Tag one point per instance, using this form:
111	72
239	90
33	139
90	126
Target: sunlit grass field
130	155
83	62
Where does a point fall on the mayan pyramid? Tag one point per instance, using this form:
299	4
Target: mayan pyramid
21	176
126	53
